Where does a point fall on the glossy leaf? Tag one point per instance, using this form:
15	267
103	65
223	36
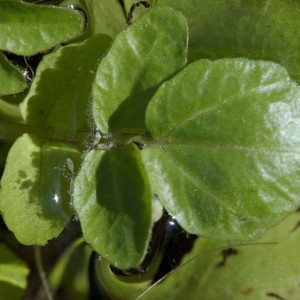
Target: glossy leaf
254	272
148	52
66	77
226	157
13	274
11	80
34	198
27	29
113	200
267	30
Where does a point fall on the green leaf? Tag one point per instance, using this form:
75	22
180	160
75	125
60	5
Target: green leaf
254	272
113	200
138	10
144	55
13	274
226	160
129	3
34	199
66	78
9	112
102	17
108	17
71	272
267	30
11	79
40	27
122	287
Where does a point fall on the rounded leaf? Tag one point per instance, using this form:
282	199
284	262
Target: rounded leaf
141	57
34	194
113	200
66	77
27	29
226	160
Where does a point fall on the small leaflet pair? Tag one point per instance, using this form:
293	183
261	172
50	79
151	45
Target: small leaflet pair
133	7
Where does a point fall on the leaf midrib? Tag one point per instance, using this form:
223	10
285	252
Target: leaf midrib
234	98
164	144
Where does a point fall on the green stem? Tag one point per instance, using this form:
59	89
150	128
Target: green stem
10	112
11	131
127	137
38	260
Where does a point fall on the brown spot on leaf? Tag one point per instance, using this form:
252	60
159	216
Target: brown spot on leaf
247	291
225	254
297	225
275	296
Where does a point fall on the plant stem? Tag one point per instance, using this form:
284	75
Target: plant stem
38	260
11	131
10	112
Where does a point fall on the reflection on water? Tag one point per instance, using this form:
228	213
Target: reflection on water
56	198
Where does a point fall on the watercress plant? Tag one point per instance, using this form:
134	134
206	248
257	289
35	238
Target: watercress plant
214	144
216	141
